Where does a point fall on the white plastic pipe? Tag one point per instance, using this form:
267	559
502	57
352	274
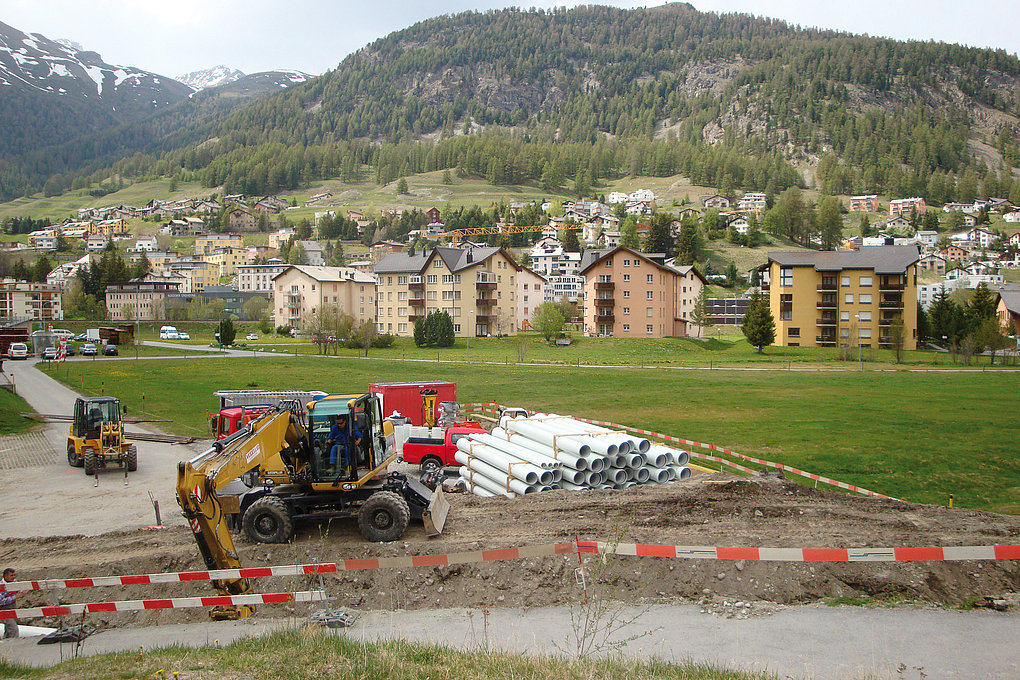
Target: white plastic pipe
499	478
479	481
572	487
658	458
572	476
616	475
566	432
477	490
681	457
526	472
594	479
633	443
596	463
634	460
659	475
672	473
560	458
642	475
682	471
516	450
543	436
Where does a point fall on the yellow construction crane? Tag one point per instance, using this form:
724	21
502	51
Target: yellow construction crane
457	234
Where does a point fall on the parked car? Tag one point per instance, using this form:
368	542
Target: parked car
81	337
69	350
182	335
49	354
89	350
18	350
252	336
62	333
109	350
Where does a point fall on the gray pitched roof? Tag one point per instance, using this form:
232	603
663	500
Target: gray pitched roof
1012	300
456	259
882	259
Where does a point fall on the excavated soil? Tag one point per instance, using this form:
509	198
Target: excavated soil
721	512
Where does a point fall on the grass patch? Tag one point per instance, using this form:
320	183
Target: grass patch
10	422
916	436
311	653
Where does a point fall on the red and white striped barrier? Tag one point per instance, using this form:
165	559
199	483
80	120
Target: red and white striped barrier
167	603
923	554
493	407
301	569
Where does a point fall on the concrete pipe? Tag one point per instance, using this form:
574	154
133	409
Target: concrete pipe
616	475
561	457
659	475
681	457
634	460
672	473
573	476
659	456
596	463
642	475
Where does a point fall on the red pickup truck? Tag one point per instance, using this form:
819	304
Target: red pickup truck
434	453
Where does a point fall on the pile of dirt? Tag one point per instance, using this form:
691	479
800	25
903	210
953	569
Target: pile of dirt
723	512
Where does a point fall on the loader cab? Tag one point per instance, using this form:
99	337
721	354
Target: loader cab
363	411
90	415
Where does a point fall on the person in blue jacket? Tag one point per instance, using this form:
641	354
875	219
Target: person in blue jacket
342	442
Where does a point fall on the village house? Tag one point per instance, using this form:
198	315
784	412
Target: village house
932	263
717	201
242	219
259	277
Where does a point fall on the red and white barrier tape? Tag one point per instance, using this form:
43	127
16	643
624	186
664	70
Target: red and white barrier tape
931	553
167	603
492	407
922	554
301	569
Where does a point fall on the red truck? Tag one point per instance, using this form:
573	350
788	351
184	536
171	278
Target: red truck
433	453
240	407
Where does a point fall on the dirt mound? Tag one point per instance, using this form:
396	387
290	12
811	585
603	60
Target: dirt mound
723	512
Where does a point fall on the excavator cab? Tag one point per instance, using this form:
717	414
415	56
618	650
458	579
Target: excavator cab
361	414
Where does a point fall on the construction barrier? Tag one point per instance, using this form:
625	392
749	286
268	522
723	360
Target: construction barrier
166	603
879	554
492	407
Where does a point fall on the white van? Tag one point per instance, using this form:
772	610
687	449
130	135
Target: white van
18	350
168	333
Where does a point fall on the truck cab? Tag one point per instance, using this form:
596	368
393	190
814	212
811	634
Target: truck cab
437	448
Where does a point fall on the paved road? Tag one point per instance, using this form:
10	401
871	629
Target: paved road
51	498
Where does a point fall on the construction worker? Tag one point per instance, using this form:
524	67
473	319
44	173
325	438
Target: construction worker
343	440
8	600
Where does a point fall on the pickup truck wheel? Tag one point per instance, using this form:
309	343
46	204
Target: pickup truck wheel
384	516
268	520
431	464
90	463
73	459
132	458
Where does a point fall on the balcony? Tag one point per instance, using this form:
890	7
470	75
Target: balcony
826	304
891	304
825	340
605	302
890	286
827	287
885	322
416	302
485	284
605	318
827	321
416	283
605	285
485	302
485	318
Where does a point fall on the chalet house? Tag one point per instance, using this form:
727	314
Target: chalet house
266	207
932	263
954	254
380	249
355	214
1012	217
959	207
242	219
1007	308
1014	240
927	238
432	214
864	203
982	237
313	253
319	197
616	197
717	201
893	224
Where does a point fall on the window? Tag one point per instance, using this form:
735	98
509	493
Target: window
650	278
786	276
626	327
793	332
649	312
844	332
401	327
401	280
626	293
437	264
865	281
864	333
649	329
431	295
845	281
864	316
609	263
849	298
844	316
401	295
650	295
456	328
865	298
626	310
431	278
626	263
626	277
785	306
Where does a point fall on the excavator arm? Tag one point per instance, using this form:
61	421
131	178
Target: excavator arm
273	447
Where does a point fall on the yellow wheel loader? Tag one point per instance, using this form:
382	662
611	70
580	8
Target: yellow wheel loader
96	436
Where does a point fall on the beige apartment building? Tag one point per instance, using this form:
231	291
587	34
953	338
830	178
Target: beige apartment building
258	277
299	290
628	294
26	300
477	287
209	242
844	297
141	300
226	260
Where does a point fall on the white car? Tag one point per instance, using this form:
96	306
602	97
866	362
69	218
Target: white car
181	335
18	350
252	336
63	333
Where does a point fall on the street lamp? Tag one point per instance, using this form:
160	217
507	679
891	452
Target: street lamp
860	365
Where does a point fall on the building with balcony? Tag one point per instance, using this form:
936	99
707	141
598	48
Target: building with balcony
27	300
210	242
139	300
866	203
476	286
908	206
259	277
637	295
300	290
833	298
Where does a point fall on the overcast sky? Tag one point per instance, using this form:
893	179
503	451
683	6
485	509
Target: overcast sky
173	37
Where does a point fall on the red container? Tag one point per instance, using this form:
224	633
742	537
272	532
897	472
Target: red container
408	399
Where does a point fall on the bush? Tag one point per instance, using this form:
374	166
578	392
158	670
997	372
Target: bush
384	340
435	330
283	330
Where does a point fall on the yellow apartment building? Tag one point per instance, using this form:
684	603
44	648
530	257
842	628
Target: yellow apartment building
227	260
844	297
477	287
628	294
207	243
299	290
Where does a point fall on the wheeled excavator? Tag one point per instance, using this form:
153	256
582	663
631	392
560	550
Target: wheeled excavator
282	457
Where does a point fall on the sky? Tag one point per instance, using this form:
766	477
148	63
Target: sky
174	37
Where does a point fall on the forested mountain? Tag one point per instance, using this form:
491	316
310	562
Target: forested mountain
569	97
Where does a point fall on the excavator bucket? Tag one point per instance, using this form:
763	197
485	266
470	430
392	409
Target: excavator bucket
435	514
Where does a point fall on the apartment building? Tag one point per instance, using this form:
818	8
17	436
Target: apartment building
907	206
226	260
476	286
259	277
530	294
832	298
637	295
865	203
27	300
753	202
299	290
207	243
141	300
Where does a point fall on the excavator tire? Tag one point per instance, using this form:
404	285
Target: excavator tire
132	458
73	459
384	516
268	520
90	463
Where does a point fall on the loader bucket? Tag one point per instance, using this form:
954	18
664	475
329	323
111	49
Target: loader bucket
434	517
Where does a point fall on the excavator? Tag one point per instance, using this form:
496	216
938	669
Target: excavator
282	458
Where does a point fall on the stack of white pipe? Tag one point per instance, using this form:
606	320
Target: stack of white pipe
548	451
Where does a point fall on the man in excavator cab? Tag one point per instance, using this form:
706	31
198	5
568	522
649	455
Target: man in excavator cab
343	443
